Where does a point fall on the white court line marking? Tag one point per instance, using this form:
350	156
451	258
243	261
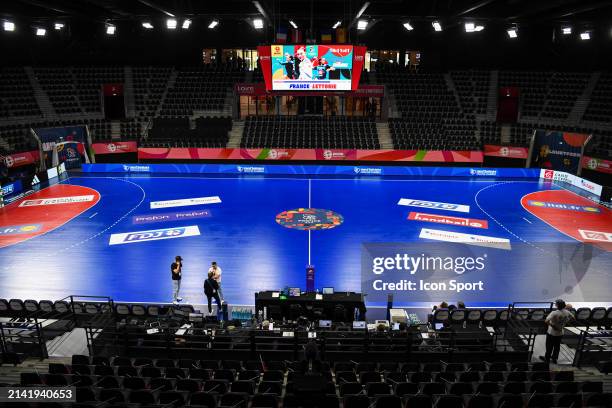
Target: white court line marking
502	225
309	206
144	194
93	215
527	220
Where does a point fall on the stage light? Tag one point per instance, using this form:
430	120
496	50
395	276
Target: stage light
585	35
110	29
292	24
566	30
186	24
147	25
408	26
213	24
58	26
258	23
336	25
171	24
9	26
512	33
362	24
437	26
41	32
471	28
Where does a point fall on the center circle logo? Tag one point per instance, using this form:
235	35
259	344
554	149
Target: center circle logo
111	147
309	219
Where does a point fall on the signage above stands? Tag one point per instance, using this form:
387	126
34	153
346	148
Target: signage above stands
259	89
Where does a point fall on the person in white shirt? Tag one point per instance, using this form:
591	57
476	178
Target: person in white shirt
556	321
305	65
216	271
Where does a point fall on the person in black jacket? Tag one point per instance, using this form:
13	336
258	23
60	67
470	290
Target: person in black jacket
211	290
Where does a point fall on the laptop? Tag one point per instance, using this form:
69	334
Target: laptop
325	324
294	292
328	291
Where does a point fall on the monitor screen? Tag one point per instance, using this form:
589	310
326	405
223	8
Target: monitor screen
328	291
311	67
325	323
359	325
295	292
439	326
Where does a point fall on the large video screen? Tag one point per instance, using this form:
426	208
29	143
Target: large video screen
311	67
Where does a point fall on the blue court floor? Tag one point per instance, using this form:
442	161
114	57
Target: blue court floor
256	253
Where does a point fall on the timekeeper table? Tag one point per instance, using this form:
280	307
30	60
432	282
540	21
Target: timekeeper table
313	305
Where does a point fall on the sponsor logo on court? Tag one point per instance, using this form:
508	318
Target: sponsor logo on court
154	235
367	170
483	172
251	169
409	202
548	174
478	240
309	219
20	229
446	219
185	202
136	168
563	206
57	200
596	235
8	189
152	218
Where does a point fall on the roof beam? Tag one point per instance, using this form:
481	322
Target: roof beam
156	7
474	7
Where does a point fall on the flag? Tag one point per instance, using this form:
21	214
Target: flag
326	36
296	36
340	35
281	35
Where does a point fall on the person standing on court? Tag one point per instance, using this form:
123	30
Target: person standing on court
211	290
176	269
556	322
216	270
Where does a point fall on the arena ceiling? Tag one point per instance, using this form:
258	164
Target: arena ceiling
319	13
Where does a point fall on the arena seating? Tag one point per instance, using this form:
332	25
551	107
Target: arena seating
473	90
200	88
310	132
254	383
545	94
176	132
601	100
16	95
430	116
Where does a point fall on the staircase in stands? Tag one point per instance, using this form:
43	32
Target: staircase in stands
44	103
235	135
582	103
384	135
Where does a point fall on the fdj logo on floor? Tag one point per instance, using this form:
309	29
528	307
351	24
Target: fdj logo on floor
154	235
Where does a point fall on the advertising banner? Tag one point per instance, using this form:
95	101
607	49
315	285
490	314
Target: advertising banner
50	136
600	165
310	154
21	159
557	150
282	169
561	176
115	147
510	152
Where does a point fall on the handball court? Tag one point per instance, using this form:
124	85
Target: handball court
116	236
